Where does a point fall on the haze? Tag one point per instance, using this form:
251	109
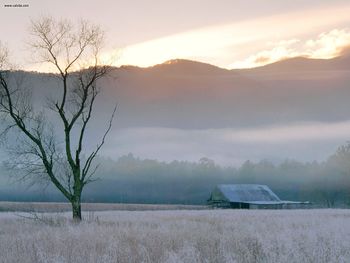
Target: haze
183	109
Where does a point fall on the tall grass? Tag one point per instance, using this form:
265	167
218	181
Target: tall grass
178	236
63	207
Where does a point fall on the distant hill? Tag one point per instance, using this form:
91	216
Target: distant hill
185	110
184	66
193	95
188	94
305	64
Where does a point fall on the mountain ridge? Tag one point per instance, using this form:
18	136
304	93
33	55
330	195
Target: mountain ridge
296	63
202	96
179	65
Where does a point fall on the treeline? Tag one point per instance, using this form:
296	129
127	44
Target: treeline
133	180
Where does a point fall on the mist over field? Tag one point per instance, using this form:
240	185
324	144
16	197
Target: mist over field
283	122
144	181
184	110
232	147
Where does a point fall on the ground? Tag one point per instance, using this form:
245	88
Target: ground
177	236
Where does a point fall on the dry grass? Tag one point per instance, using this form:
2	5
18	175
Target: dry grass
179	236
63	207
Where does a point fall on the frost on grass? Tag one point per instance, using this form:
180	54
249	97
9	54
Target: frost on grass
179	236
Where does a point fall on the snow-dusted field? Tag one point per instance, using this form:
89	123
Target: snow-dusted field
178	236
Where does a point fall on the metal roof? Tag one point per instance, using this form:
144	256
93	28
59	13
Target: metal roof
248	193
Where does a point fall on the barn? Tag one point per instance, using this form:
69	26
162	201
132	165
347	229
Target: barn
249	196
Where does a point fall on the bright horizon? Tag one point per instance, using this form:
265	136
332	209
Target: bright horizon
232	35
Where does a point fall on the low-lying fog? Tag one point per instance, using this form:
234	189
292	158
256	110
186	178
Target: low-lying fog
299	141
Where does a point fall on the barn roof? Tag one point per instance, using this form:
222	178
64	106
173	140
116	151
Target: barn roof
248	193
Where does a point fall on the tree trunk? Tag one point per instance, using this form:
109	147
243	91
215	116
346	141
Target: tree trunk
76	208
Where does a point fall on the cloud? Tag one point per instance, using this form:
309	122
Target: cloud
279	52
303	141
326	45
224	43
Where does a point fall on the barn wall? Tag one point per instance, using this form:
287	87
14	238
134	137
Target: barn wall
239	205
265	206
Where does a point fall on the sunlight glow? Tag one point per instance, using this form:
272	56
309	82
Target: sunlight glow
232	45
312	33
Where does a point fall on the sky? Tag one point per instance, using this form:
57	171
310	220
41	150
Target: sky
225	33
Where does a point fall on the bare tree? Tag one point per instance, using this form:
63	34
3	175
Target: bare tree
73	52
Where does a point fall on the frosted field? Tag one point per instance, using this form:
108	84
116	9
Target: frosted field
178	236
